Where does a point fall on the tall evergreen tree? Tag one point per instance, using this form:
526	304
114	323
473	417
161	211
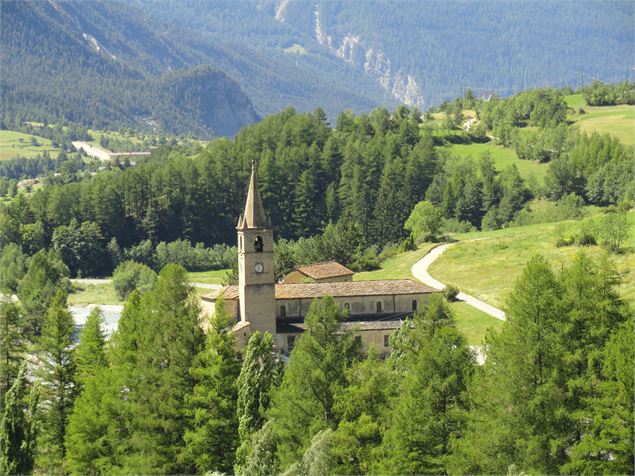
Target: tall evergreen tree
45	275
257	376
304	403
517	400
97	433
428	411
391	208
166	340
212	435
18	427
606	446
90	353
12	345
56	371
361	407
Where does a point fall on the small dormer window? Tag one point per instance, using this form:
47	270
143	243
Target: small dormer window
258	244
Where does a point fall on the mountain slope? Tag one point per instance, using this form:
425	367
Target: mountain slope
417	53
101	64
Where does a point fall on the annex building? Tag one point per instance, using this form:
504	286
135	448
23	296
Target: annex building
258	302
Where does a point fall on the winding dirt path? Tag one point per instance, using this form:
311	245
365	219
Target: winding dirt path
420	271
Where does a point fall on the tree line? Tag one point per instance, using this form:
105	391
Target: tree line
555	394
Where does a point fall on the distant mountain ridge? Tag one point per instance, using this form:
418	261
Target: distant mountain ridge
101	64
417	53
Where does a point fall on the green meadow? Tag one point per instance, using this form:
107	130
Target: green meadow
501	157
487	264
17	144
618	121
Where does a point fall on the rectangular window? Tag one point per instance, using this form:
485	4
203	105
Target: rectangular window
386	340
283	311
378	306
290	342
414	304
358	339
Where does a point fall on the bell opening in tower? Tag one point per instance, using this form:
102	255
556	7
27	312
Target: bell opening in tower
258	244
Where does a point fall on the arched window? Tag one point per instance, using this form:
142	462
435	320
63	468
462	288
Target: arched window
258	244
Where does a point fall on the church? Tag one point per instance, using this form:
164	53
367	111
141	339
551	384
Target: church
374	309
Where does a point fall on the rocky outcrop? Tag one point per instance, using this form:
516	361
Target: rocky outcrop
351	49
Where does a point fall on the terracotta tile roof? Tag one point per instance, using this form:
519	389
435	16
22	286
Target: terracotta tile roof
384	287
326	269
283	327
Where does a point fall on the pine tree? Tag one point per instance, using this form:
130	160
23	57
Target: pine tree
156	369
257	376
12	345
606	446
593	310
517	399
427	412
90	354
212	435
361	408
45	275
18	427
56	371
97	433
391	208
304	403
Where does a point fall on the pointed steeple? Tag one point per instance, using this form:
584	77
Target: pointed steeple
254	216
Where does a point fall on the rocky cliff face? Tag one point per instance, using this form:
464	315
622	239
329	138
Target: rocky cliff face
352	49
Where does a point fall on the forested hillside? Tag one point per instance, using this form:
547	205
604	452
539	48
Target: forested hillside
358	179
101	64
416	53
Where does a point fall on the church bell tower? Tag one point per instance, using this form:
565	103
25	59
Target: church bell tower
256	279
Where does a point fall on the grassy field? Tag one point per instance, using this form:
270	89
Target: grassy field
472	322
488	265
501	157
208	277
618	121
397	267
17	144
84	294
575	101
97	134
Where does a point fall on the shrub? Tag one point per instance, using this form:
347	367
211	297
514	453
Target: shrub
562	241
130	276
586	235
366	260
452	225
408	244
451	292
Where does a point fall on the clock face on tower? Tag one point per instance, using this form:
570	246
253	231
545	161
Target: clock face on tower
259	268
